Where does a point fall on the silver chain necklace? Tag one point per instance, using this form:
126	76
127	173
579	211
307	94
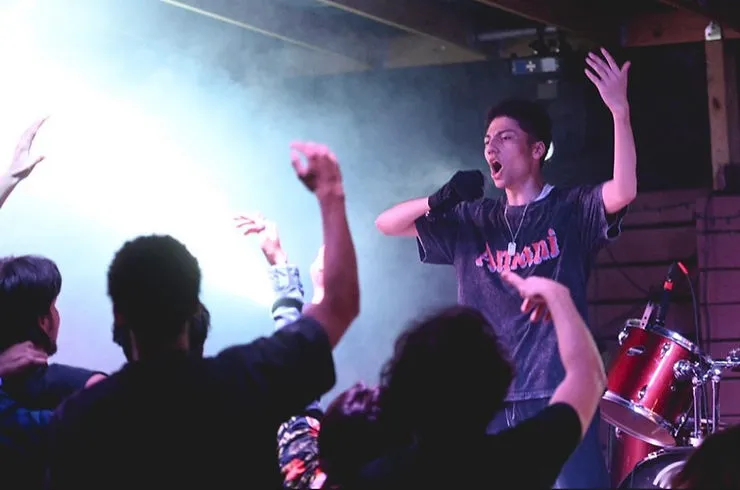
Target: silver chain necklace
511	248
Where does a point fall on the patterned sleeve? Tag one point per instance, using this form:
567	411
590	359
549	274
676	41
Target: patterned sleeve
288	289
298	452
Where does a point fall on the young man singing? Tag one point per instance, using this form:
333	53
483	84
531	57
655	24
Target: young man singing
535	229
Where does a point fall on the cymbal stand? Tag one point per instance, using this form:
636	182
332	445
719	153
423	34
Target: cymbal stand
732	361
696	382
716	377
684	370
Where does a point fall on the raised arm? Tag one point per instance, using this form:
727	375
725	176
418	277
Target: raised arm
400	219
465	185
341	302
284	277
585	380
22	164
611	81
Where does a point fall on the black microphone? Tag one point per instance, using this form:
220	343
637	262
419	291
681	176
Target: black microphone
665	299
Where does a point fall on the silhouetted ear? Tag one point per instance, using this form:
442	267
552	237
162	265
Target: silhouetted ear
539	150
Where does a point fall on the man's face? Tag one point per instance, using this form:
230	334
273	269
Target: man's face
511	155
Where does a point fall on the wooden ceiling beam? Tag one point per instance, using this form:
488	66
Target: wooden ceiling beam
303	29
721	12
680	26
588	20
415	17
434	34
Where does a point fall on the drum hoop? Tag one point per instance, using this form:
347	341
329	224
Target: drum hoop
653	417
652	456
670	335
666	450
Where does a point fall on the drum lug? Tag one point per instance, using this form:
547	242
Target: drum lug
641	393
664	350
622	336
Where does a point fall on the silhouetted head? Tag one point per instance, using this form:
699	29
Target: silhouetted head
447	378
154	284
518	136
352	434
713	464
29	287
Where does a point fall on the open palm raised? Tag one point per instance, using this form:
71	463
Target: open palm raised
610	79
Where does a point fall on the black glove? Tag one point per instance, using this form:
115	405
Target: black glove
465	185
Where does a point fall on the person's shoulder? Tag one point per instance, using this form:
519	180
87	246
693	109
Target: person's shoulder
481	209
304	331
574	192
88	400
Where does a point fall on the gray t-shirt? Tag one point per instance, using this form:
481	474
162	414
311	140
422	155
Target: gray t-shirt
559	239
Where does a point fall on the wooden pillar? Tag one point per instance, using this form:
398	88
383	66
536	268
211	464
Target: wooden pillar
724	110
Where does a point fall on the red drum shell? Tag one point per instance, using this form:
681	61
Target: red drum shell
643	397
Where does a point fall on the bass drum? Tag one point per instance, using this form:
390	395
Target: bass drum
658	468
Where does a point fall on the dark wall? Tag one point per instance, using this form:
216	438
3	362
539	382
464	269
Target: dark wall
443	108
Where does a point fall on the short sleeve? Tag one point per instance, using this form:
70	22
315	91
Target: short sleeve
438	234
289	369
549	438
47	388
597	227
288	290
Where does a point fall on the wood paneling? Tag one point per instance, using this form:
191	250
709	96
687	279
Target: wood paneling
720	286
607	320
630	282
677	27
720	321
729	397
652	208
718	220
719	250
646	245
719	349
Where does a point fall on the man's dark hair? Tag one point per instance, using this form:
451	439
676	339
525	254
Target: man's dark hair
531	117
448	376
154	284
200	325
29	284
352	435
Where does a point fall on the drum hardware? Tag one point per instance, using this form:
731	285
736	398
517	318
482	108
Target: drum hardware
658	469
700	375
656	379
648	388
646	315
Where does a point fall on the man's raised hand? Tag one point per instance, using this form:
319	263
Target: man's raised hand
23	163
316	166
610	80
267	234
20	357
536	293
